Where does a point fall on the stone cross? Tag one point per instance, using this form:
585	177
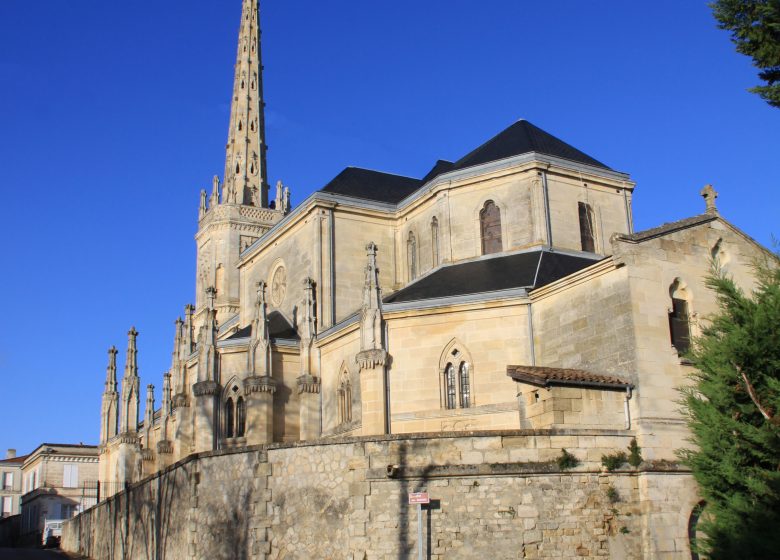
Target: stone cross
710	195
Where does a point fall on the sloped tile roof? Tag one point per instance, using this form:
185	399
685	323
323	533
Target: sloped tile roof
546	376
529	270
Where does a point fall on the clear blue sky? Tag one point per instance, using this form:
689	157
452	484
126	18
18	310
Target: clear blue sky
113	116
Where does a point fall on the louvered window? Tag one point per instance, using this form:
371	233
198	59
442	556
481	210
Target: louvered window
490	227
679	326
587	237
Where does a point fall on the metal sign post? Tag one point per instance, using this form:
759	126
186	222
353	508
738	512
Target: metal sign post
419	498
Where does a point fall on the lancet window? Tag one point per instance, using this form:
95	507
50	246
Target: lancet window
411	255
345	397
490	228
679	317
234	412
587	231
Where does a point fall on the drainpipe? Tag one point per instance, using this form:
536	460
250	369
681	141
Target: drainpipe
547	208
331	259
628	412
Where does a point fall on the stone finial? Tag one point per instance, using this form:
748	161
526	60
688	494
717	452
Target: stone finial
211	294
710	194
202	208
131	362
166	394
214	192
279	201
286	200
149	420
372	350
111	370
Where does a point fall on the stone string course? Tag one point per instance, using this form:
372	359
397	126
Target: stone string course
497	496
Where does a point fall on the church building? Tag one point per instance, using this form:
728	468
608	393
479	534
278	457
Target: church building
506	290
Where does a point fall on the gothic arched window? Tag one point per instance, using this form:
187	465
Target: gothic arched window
465	386
455	368
435	241
345	397
450	387
411	255
679	317
240	417
587	230
229	419
490	228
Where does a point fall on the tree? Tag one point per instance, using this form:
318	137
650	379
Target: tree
733	411
755	29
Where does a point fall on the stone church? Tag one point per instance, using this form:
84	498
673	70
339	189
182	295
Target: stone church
506	290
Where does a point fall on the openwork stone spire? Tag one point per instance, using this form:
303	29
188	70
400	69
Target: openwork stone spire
111	371
130	386
246	180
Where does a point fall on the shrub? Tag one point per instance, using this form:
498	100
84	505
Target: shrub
567	460
614	461
634	453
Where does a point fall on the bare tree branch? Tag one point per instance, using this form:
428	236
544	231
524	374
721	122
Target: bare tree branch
752	393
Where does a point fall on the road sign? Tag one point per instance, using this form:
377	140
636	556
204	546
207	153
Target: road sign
419	498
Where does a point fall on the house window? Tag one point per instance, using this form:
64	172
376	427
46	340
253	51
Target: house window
679	326
8	481
6	509
435	241
230	412
70	476
490	228
587	237
68	510
345	398
450	386
411	255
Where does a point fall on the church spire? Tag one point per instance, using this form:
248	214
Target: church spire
246	180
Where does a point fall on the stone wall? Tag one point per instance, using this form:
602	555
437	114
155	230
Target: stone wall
498	495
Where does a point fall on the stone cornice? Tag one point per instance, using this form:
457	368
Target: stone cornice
205	388
164	447
258	384
308	384
370	359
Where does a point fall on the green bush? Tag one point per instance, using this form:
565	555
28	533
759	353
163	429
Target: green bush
567	460
634	453
614	461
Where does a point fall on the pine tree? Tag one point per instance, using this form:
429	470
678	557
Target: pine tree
733	410
755	29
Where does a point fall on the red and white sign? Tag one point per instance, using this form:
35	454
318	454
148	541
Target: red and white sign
419	498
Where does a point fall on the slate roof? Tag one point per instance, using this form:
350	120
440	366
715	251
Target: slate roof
668	227
547	376
522	270
278	327
372	185
15	460
520	138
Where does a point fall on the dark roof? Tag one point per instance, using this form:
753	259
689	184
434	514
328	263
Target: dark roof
521	138
442	166
278	327
546	376
522	270
15	460
669	227
372	185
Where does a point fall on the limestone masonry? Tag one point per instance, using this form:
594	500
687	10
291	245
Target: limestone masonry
453	333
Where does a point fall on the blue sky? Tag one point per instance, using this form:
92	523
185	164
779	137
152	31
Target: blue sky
113	116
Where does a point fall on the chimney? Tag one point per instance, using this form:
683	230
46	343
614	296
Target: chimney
11	454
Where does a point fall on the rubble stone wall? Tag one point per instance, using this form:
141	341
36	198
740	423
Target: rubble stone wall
494	495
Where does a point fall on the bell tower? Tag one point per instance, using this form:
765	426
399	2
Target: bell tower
237	212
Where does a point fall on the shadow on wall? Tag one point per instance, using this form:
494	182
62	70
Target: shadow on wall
407	548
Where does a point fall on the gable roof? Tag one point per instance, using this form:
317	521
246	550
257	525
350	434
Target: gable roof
521	138
529	270
546	376
669	227
372	185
